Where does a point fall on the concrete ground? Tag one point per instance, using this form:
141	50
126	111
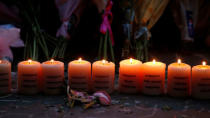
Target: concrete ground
123	106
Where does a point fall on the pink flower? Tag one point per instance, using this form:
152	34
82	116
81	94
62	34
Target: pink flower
9	37
103	96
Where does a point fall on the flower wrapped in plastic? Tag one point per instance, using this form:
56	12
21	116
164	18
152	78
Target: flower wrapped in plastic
9	37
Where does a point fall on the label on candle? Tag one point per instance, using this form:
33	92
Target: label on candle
204	85
180	89
4	80
180	84
152	76
129	86
54	77
102	82
129	81
4	84
3	74
29	80
180	78
53	81
79	82
152	82
126	75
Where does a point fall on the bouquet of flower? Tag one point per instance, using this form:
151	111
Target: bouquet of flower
38	43
106	33
9	37
140	16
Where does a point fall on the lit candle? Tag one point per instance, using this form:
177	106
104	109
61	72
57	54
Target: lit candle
153	78
179	76
201	81
129	76
79	75
5	77
29	77
53	77
103	74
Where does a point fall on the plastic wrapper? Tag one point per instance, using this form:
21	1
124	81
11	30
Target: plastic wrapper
9	37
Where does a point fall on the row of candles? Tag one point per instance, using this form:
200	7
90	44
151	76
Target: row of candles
134	77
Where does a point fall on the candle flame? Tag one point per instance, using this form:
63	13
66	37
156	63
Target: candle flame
29	61
204	63
103	61
80	59
52	60
0	61
179	61
153	61
131	60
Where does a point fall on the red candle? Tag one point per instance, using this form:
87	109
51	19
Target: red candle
29	77
5	77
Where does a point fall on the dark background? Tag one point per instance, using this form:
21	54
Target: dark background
166	37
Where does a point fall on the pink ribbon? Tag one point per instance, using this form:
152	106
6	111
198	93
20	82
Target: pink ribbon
106	23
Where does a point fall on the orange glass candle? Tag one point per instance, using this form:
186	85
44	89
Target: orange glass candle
153	78
103	75
79	75
179	76
129	76
29	77
53	77
201	81
5	77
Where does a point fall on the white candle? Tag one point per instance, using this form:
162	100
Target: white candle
79	75
53	77
153	78
129	76
201	81
179	76
103	74
5	77
29	77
